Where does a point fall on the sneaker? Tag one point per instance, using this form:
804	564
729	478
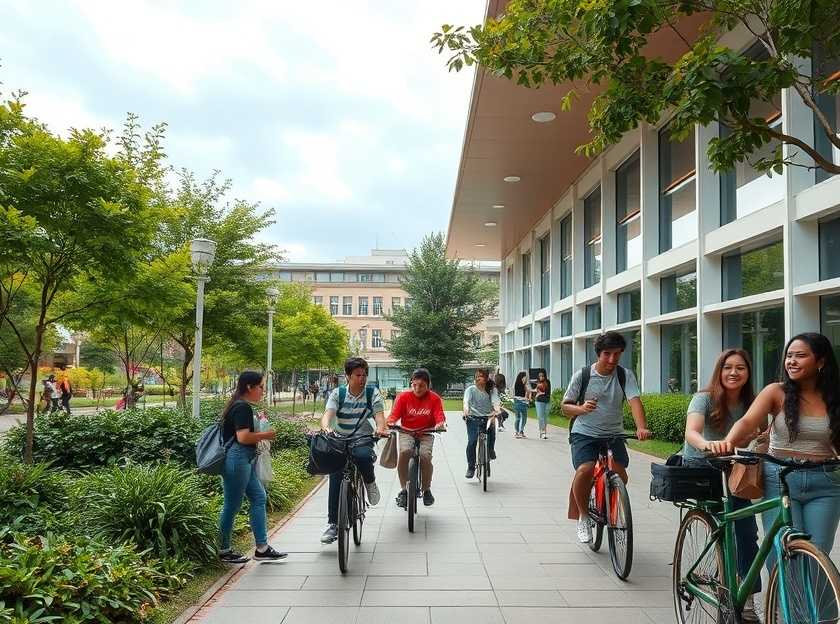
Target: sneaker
584	530
330	534
492	455
522	434
372	492
269	554
402	499
749	614
428	499
501	427
231	556
470	473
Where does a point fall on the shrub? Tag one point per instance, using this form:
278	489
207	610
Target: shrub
34	497
158	390
556	408
665	415
290	479
157	507
291	433
80	581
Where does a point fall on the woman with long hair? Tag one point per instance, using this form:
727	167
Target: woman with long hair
521	397
481	406
239	478
804	413
711	415
542	400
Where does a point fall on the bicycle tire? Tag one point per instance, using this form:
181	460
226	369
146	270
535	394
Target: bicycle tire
344	526
411	506
692	536
486	472
598	532
358	512
620	528
797	553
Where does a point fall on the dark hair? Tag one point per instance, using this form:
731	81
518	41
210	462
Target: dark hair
609	340
485	372
351	364
422	373
720	408
828	385
543	372
500	381
247	380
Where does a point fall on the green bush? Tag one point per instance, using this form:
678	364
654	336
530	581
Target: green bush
290	479
158	507
56	579
291	433
34	497
158	390
556	408
665	415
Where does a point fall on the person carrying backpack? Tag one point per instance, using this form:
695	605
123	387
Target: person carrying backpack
594	402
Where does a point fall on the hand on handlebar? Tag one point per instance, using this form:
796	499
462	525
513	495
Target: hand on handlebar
719	447
643	434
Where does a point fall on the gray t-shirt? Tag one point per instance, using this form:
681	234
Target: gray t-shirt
479	403
701	403
607	419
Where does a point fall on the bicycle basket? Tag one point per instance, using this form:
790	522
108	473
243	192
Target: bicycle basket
327	454
681	483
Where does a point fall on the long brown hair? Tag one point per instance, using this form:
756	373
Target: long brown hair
720	407
247	380
488	386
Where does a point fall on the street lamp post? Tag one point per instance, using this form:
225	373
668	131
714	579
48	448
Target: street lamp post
272	294
77	342
202	252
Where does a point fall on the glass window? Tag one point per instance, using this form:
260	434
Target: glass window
566	324
545	270
476	340
365	277
545	330
526	283
363	338
334	305
825	69
592	238
363	306
318	300
593	316
322	276
376	338
631	357
565	363
590	356
377	306
396	302
347	306
762	335
392	277
830	321
679	358
336	277
408	302
395	334
677	201
628	203
678	292
544	359
377	277
566	257
509	294
526	359
526	336
830	248
629	306
752	272
284	276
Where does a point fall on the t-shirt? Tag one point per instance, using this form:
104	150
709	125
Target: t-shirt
701	403
545	388
607	419
479	403
353	410
240	416
415	412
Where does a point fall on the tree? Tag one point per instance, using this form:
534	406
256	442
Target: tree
604	46
448	302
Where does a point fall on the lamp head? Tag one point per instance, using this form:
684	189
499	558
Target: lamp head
272	294
202	252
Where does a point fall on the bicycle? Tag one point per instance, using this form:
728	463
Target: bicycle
482	460
804	585
415	479
352	504
609	506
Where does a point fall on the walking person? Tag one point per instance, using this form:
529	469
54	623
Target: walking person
54	394
501	388
521	399
542	401
239	478
481	407
66	393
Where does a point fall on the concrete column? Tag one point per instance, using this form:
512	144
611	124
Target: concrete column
649	175
578	247
609	304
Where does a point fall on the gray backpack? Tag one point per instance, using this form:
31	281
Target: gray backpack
211	450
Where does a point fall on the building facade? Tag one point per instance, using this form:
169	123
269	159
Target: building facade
359	293
649	241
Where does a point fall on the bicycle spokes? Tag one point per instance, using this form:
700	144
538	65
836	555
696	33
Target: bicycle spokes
809	590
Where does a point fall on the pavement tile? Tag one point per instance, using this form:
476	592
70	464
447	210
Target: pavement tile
428	583
559	615
428	598
530	598
249	614
390	615
316	615
289	598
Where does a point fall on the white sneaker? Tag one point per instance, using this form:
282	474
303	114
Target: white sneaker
584	530
372	493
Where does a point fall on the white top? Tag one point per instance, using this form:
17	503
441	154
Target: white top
814	437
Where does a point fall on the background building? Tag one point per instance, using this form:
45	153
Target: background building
359	292
646	239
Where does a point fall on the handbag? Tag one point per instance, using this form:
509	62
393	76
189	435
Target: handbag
327	454
747	480
211	450
265	471
388	459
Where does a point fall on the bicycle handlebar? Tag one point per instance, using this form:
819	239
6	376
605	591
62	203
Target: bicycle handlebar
415	432
795	464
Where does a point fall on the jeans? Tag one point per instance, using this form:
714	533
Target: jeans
239	479
474	426
814	504
542	413
520	407
364	457
65	403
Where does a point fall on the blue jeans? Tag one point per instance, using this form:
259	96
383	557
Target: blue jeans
814	504
364	457
542	413
520	408
474	426
239	479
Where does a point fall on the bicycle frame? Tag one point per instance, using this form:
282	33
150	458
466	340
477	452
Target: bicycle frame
604	468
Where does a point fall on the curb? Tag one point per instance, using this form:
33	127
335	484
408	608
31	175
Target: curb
230	576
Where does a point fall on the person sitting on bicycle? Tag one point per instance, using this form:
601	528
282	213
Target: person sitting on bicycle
598	415
419	409
481	407
352	417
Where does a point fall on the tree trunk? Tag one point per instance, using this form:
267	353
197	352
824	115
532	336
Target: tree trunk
294	391
182	395
33	389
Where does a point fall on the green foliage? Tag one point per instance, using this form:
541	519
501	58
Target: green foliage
448	302
34	496
158	507
72	581
290	479
291	433
665	415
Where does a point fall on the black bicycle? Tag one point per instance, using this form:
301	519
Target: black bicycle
415	476
482	453
352	503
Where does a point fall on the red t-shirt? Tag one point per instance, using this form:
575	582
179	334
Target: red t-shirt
424	412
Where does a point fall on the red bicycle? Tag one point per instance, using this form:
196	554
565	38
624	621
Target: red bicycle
609	506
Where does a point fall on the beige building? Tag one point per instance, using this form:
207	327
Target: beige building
359	292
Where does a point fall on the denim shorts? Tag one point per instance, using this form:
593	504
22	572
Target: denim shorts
585	449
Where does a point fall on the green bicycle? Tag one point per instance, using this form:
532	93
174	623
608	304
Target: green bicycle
804	585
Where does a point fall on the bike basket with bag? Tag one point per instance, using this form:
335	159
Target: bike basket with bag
327	454
677	483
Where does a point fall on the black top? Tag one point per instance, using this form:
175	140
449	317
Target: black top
519	388
544	398
240	416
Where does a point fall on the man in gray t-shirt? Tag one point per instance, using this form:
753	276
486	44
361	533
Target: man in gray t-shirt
597	415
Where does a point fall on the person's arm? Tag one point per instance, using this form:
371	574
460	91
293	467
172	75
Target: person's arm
330	410
246	436
379	413
638	411
440	415
467	402
243	419
396	411
767	402
694	424
496	403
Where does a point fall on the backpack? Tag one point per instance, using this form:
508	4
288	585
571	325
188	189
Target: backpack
211	449
585	374
328	453
342	395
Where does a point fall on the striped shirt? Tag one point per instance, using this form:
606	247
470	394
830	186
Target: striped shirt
354	408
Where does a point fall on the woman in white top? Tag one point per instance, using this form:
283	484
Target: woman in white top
805	423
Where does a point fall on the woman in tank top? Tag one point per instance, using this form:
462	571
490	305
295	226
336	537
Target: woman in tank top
804	414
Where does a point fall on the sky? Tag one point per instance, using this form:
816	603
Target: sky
338	115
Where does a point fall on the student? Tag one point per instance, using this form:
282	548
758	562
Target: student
54	393
521	398
481	407
239	478
542	401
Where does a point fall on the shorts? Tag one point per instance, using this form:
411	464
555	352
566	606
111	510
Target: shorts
585	449
427	441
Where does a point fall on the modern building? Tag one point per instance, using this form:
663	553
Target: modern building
645	239
359	292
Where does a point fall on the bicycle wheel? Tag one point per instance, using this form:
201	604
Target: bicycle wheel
620	527
358	511
485	473
344	504
594	513
411	507
694	533
812	586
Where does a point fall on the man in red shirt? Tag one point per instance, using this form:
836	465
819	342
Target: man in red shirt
417	410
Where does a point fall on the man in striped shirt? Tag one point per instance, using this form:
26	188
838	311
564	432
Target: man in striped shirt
351	417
